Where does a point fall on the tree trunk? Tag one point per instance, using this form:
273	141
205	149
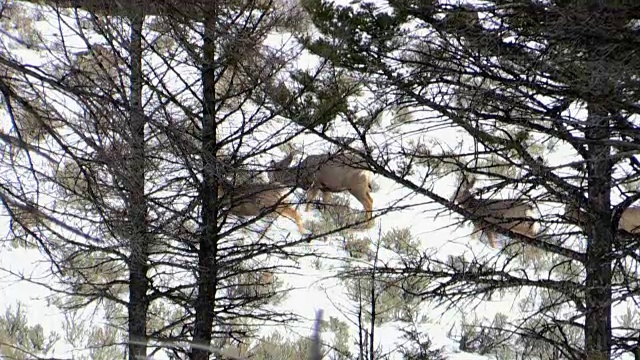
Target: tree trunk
207	254
601	232
600	238
137	207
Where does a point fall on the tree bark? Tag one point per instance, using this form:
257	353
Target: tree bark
601	232
207	254
139	236
600	238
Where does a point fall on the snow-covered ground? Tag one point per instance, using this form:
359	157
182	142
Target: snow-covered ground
313	288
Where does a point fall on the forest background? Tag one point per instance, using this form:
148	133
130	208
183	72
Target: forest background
122	122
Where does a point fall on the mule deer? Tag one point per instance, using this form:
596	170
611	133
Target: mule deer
256	199
326	173
629	220
508	214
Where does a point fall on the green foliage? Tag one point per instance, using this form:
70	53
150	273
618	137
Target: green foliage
357	248
400	115
385	296
72	181
21	341
419	346
25	221
90	273
485	85
19	20
89	94
161	316
402	242
432	154
163	41
102	343
483	338
257	287
348	28
94	339
325	97
97	70
340	345
338	214
532	256
276	347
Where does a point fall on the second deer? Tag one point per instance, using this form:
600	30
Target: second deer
511	214
629	220
259	199
326	173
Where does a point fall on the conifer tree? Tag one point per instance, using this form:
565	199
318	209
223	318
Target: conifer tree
19	340
542	100
121	163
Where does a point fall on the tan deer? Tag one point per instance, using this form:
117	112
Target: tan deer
629	220
499	212
326	173
256	199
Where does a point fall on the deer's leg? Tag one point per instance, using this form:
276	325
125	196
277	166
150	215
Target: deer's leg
312	194
326	199
369	213
477	231
292	214
491	236
366	200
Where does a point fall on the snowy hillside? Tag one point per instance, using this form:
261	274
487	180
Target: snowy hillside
314	281
311	288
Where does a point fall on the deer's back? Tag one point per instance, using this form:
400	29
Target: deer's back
336	172
500	208
251	199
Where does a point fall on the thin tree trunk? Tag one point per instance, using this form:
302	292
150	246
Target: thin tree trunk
600	238
372	322
361	340
601	233
207	254
139	241
360	323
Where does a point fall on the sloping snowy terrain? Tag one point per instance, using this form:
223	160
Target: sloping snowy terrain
312	288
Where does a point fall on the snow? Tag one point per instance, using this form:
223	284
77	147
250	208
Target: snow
313	288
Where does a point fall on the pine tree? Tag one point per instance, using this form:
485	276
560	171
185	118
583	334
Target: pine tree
99	179
520	82
19	340
132	168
